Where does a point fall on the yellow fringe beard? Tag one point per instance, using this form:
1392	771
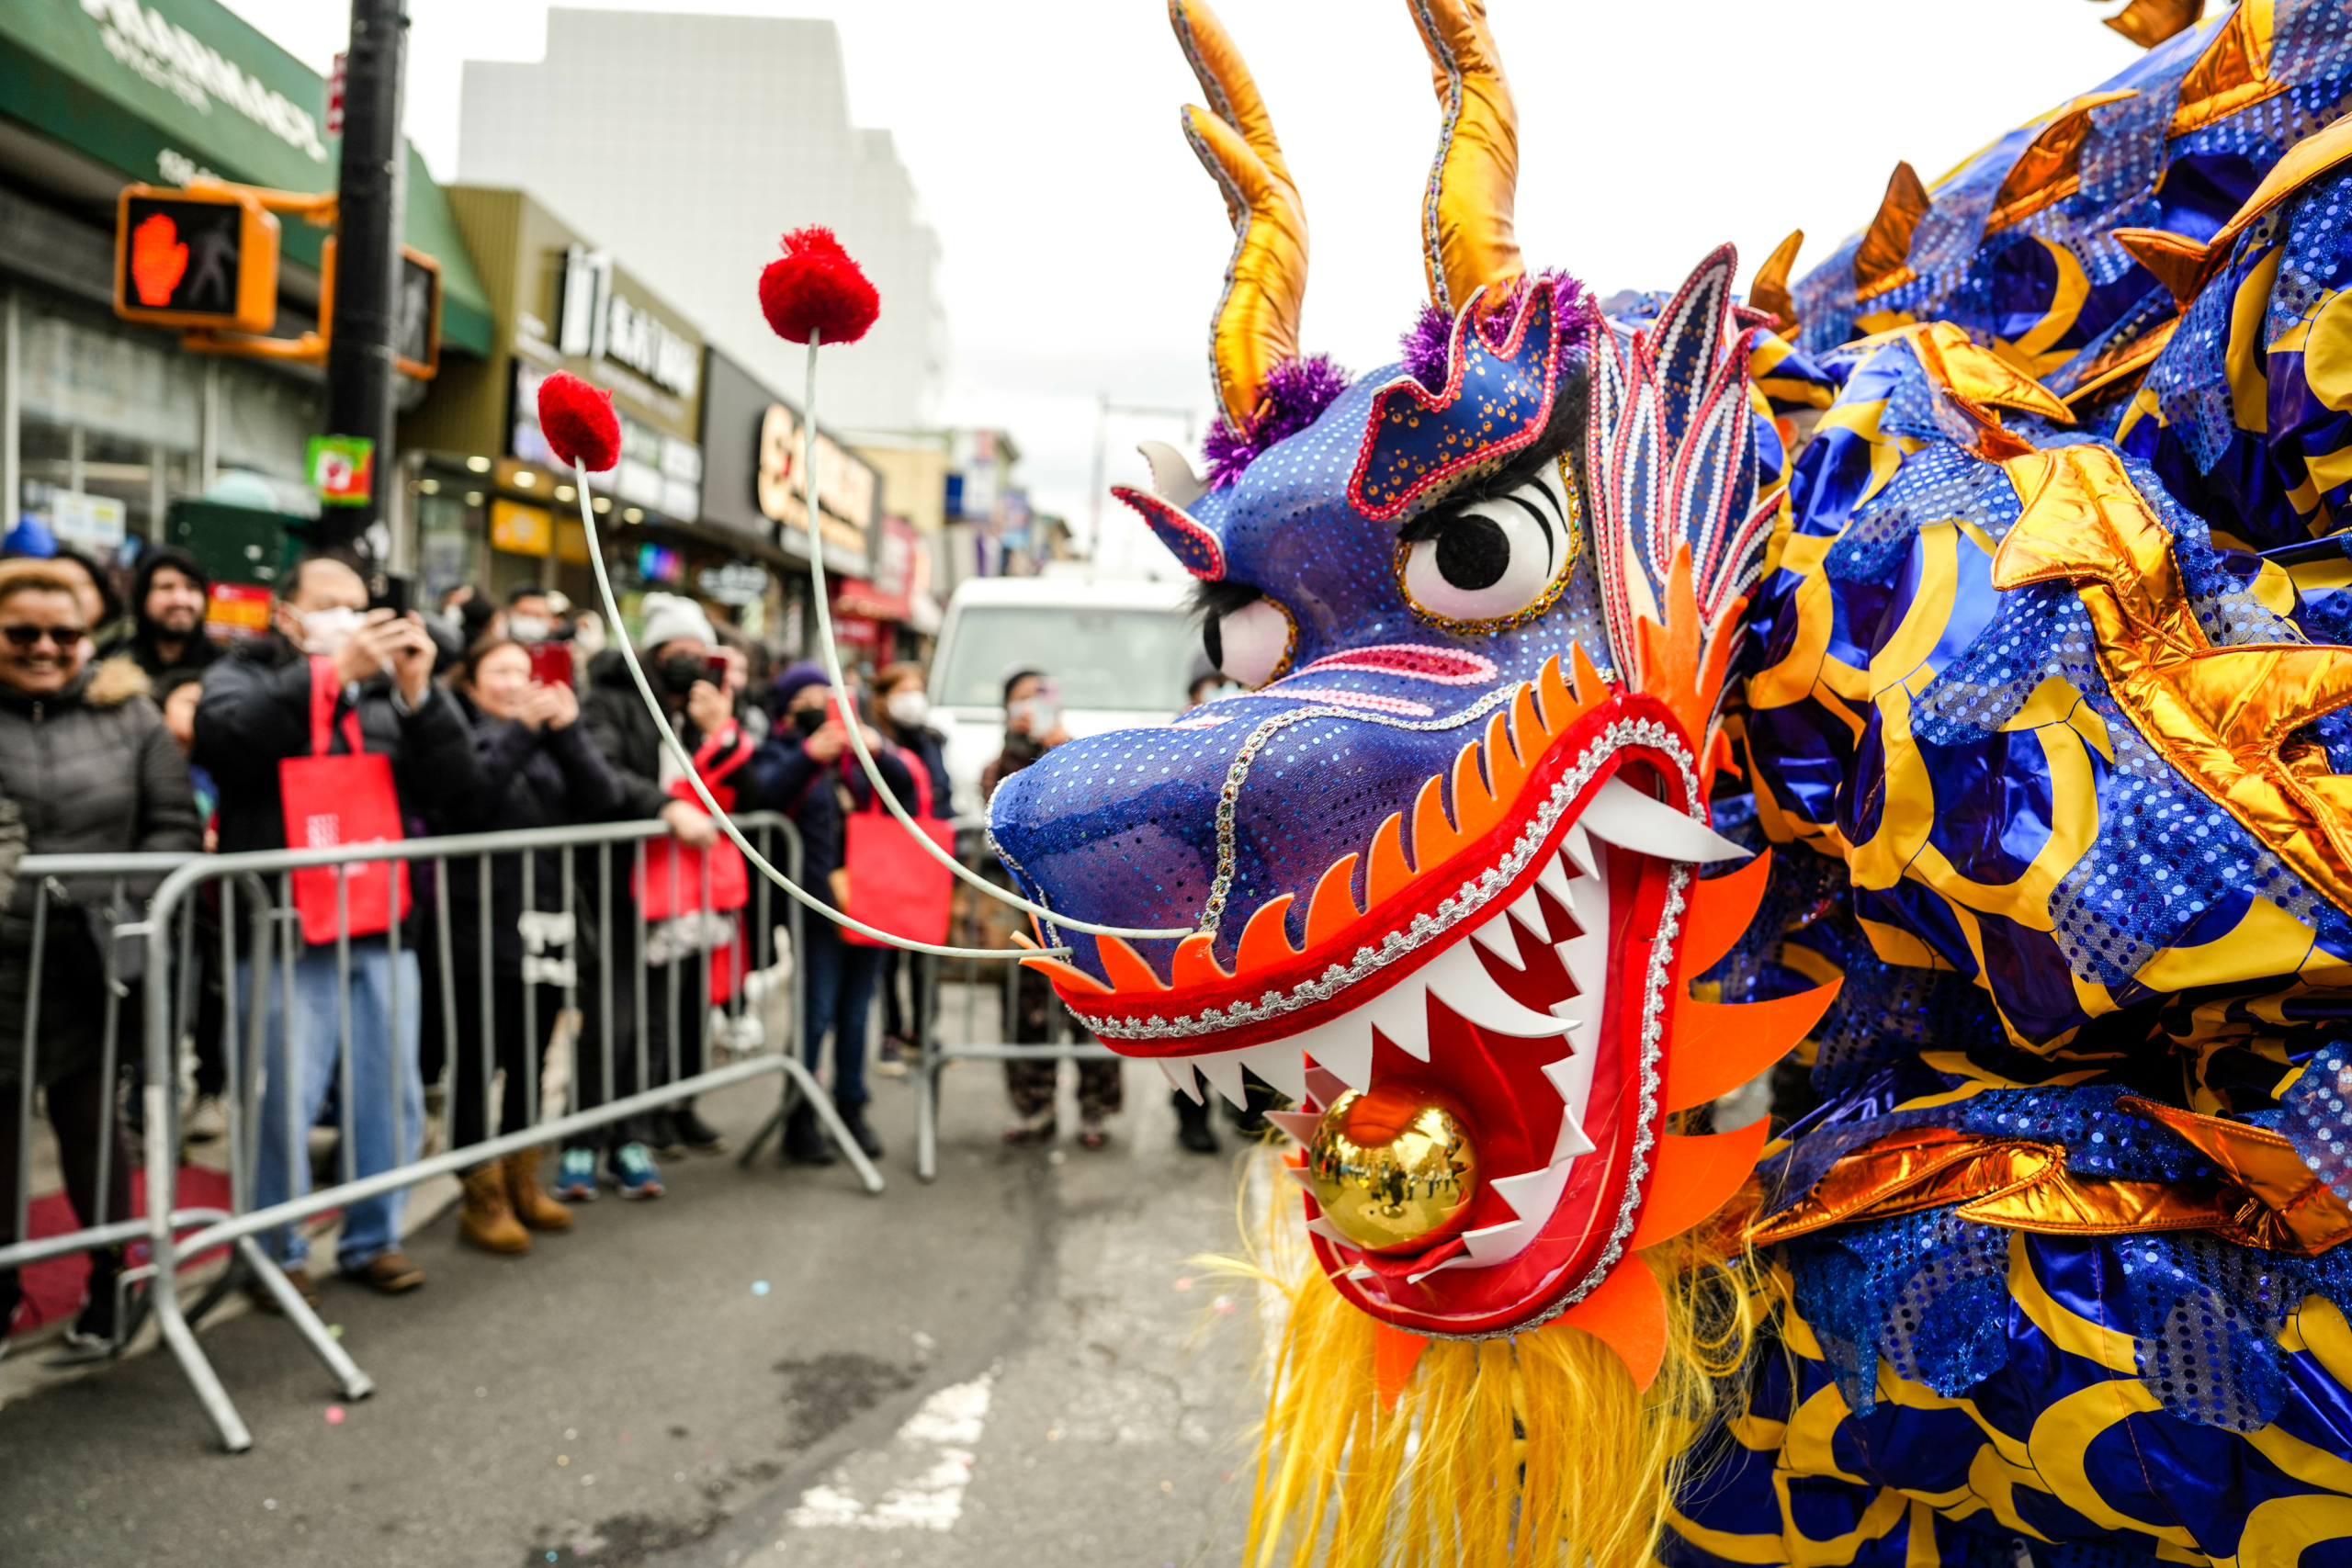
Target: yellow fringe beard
1532	1450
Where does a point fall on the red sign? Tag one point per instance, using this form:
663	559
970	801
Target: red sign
237	611
334	96
859	629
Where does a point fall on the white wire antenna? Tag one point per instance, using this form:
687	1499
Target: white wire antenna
856	737
727	824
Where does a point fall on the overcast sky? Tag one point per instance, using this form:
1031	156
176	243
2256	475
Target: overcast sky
1084	246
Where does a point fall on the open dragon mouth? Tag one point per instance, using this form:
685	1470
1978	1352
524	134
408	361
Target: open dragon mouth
1516	944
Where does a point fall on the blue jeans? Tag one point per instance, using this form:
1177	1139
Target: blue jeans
382	1067
837	988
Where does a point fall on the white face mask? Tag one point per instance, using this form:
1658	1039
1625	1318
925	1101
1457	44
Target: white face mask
909	709
326	631
526	628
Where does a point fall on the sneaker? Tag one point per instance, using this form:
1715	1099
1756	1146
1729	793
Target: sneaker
296	1276
696	1133
207	1121
1092	1134
891	1061
97	1325
575	1175
632	1172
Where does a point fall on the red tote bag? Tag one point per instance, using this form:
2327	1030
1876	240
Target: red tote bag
669	883
894	884
342	800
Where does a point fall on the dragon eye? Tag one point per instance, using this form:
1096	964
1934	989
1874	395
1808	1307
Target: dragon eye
1492	559
1249	645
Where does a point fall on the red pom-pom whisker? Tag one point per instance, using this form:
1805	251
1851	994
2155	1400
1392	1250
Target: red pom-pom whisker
817	289
579	422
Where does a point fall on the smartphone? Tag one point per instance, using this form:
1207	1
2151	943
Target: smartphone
399	589
551	663
714	670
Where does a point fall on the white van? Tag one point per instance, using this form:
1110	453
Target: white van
1119	650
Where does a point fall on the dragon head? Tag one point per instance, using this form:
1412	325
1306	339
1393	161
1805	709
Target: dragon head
1441	860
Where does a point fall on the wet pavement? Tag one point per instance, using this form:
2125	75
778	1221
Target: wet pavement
1021	1363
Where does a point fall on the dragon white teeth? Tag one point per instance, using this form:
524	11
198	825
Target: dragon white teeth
1342	1052
1533	1194
1279	1063
1181	1076
1573	1079
1402	1013
1623	815
1553	877
1299	1124
1458	979
1321	1226
1577	853
1528	911
1497	938
1224	1073
1298	1174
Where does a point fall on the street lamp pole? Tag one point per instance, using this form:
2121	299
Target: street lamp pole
371	190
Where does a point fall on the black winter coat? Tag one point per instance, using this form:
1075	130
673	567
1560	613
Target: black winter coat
526	778
613	712
786	779
255	712
93	771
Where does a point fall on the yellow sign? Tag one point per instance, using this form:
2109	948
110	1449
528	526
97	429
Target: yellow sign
571	542
520	530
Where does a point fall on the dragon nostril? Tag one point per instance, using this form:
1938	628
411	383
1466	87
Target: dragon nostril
1473	552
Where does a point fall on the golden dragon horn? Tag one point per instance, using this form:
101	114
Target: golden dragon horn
1467	235
1256	326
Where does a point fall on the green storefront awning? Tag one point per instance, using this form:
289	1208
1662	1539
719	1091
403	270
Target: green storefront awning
169	87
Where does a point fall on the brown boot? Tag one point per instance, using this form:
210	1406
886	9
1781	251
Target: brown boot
531	1204
485	1218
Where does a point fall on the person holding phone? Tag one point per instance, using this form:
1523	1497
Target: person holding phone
807	770
1033	726
902	712
537	769
256	713
676	650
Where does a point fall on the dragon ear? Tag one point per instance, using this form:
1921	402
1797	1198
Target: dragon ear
1173	479
1187	537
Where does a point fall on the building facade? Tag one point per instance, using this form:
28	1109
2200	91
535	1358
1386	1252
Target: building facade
700	139
106	426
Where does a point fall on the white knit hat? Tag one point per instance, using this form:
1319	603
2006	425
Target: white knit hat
669	617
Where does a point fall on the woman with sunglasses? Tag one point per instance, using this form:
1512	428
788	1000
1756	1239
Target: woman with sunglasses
86	759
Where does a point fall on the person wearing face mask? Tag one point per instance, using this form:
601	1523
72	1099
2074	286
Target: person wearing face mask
86	767
807	771
902	711
530	615
537	769
677	646
256	713
1033	726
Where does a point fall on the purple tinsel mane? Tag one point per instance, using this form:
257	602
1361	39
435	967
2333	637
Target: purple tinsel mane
1424	346
1294	394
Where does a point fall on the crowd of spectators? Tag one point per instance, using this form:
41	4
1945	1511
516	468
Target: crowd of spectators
124	727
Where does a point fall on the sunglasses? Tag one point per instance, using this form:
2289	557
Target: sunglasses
20	635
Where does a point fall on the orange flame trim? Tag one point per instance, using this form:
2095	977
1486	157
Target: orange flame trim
1718	1048
1721	910
1694	1178
1626	1312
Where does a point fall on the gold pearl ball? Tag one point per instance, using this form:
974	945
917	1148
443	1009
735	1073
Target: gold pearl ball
1394	1167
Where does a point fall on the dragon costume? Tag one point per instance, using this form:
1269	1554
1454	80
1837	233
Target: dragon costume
1917	688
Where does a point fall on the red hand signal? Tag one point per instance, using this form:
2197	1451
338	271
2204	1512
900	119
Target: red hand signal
158	259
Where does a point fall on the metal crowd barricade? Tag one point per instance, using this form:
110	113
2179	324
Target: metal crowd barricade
252	896
935	1055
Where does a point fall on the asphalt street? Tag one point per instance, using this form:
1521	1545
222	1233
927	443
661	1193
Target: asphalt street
1021	1363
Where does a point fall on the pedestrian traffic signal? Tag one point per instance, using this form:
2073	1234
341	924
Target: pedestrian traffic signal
201	257
416	344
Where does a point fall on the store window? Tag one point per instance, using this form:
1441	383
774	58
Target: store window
447	530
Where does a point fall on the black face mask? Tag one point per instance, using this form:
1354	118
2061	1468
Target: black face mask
810	720
680	672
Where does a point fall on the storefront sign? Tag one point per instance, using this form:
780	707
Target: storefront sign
845	486
172	58
91	523
340	468
520	530
600	321
738	582
657	472
659	563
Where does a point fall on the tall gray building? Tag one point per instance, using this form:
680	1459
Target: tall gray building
689	144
